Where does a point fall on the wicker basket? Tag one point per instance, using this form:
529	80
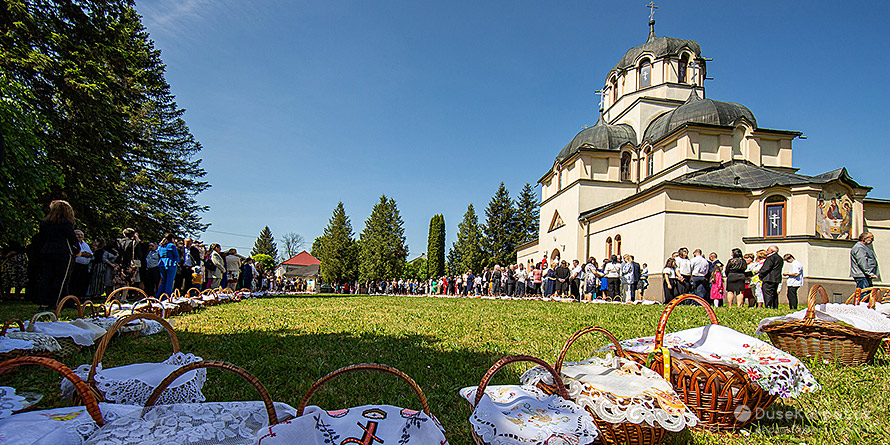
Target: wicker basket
711	390
213	301
424	404
67	343
879	295
125	291
810	337
77	305
612	433
15	353
150	305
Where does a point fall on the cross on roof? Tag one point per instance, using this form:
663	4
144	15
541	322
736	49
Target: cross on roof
602	95
652	9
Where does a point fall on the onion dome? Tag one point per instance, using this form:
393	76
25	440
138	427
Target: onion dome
699	111
601	136
658	47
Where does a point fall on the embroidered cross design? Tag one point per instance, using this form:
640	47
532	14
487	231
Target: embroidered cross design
368	437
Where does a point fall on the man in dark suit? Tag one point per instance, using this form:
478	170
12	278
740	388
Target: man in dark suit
638	274
771	275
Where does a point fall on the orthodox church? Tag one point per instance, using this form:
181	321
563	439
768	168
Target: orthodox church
667	167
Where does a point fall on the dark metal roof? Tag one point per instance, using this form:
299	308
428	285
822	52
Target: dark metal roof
701	111
658	47
601	136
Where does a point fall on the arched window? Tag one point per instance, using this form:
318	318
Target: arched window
774	216
625	166
554	256
645	78
650	163
618	245
681	70
614	83
609	247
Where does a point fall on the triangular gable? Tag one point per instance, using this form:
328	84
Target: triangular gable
556	222
303	258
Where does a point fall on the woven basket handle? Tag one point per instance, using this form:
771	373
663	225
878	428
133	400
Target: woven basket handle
560	386
856	298
121	290
103	344
82	390
425	406
815	291
110	305
662	323
76	304
189	293
148	301
10	323
37	316
250	378
94	308
577	335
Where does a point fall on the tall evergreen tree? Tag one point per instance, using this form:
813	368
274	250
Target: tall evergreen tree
527	215
382	243
452	264
469	242
436	247
337	249
500	229
265	244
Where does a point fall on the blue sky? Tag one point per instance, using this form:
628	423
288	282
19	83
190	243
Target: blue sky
300	104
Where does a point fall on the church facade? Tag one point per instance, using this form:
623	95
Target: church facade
666	167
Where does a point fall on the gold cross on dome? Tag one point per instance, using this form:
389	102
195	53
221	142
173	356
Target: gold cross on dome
652	9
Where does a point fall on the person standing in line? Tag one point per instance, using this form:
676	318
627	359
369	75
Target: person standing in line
712	263
521	277
735	278
233	268
219	266
152	269
669	280
591	279
539	280
638	275
717	288
644	280
168	264
128	260
511	280
80	274
562	279
863	262
684	272
699	282
793	280
627	279
57	245
612	271
575	279
771	275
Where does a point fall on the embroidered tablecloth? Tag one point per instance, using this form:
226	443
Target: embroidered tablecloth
60	426
9	401
8	344
525	415
619	390
860	317
774	370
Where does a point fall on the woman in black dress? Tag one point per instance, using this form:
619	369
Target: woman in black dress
670	284
57	245
735	278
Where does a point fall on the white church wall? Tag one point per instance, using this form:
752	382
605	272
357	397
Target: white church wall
643	238
708	232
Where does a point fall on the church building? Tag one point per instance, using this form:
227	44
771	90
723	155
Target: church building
666	167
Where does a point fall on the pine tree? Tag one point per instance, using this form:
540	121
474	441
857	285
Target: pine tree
500	229
436	247
382	243
265	244
527	215
337	249
453	263
468	244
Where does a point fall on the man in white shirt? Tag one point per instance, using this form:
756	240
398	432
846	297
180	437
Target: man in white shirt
577	274
794	279
80	274
699	273
684	271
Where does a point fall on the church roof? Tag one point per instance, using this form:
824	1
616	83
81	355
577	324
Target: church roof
601	136
658	47
698	110
303	258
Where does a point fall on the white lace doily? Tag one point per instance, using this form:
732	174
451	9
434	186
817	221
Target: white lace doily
40	342
619	390
389	424
133	384
8	344
525	415
190	423
60	426
859	317
60	329
9	401
98	331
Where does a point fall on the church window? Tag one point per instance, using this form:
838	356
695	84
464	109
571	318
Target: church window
645	73
774	216
618	245
625	166
614	87
681	70
609	247
650	163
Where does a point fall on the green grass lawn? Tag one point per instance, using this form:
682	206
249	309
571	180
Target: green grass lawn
447	344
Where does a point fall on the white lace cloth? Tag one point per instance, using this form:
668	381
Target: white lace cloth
774	370
859	317
525	415
60	426
133	384
388	424
8	344
191	423
147	327
883	308
61	329
9	401
40	342
98	331
619	390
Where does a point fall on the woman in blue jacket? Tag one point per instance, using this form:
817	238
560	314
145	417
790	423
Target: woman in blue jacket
168	264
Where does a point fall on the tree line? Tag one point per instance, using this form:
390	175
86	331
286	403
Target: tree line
86	115
380	251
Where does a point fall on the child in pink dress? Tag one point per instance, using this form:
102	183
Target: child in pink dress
718	291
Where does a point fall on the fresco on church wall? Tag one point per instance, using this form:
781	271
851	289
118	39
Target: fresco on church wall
834	215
